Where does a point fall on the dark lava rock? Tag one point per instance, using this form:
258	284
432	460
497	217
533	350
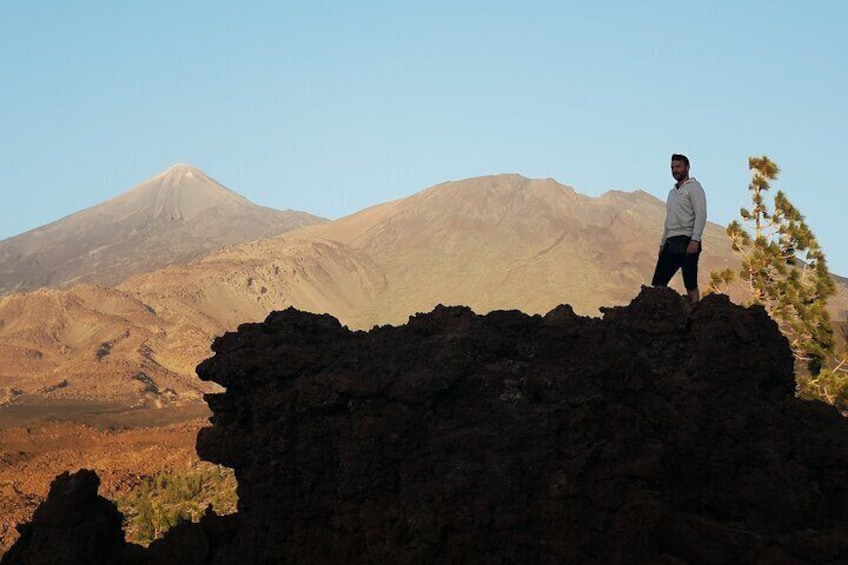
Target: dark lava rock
654	435
73	526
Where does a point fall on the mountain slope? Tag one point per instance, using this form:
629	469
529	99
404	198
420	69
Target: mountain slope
171	218
244	282
93	343
139	344
502	242
506	241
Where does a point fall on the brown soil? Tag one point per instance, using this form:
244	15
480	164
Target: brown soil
118	445
103	415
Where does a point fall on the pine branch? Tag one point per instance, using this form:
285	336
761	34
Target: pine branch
783	267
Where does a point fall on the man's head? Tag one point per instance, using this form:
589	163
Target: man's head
679	167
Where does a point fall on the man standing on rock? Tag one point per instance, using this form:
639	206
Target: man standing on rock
685	219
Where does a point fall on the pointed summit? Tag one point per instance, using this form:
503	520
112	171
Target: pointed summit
182	168
170	218
179	193
181	172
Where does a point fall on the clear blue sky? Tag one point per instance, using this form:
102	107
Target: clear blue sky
330	107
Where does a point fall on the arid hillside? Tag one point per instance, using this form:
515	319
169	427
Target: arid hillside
138	345
242	283
95	344
171	218
506	241
125	356
499	242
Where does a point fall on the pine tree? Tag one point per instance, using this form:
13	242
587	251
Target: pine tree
170	496
784	269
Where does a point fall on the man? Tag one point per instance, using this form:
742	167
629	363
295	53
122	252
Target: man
685	218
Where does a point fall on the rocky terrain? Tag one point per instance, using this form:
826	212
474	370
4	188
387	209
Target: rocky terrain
497	242
31	457
491	243
656	434
138	344
125	356
91	343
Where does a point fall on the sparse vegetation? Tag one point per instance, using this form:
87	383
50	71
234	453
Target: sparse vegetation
169	497
58	386
149	384
785	270
104	350
831	384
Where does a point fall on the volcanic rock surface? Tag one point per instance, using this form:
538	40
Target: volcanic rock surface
73	525
657	434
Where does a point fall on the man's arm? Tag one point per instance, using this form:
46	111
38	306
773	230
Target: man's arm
699	205
665	222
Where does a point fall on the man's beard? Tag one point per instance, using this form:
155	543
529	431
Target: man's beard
678	176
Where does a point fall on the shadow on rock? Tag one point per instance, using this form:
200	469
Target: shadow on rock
653	435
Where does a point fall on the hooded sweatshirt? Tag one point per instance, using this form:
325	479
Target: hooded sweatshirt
685	211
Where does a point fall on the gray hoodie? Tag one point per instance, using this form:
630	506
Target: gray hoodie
685	211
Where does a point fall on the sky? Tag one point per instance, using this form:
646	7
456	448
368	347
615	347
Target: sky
331	107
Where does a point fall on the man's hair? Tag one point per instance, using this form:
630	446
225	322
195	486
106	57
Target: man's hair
679	157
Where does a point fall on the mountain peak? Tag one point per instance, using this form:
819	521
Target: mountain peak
182	171
171	217
182	166
180	192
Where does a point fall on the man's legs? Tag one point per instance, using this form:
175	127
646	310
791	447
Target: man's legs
690	276
667	265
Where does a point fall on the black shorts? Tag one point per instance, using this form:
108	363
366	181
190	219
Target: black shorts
672	257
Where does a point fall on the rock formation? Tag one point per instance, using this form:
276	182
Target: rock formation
73	525
655	434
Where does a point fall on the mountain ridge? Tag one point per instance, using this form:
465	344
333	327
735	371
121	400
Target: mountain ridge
515	229
172	217
492	243
181	190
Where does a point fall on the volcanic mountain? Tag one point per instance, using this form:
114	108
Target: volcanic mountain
494	242
171	218
503	242
497	242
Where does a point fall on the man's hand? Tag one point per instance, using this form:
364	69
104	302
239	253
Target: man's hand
693	247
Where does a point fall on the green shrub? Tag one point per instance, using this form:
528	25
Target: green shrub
171	496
